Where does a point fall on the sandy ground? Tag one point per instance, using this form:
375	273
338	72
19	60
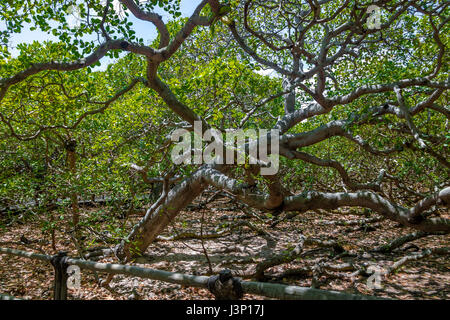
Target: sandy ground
240	250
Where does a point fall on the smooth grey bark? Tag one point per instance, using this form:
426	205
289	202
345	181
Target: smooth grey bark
272	290
189	189
155	222
367	199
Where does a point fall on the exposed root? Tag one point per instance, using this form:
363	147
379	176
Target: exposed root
423	254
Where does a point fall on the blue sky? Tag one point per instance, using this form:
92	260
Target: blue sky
143	29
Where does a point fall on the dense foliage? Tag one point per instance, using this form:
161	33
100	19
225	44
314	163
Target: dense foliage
361	110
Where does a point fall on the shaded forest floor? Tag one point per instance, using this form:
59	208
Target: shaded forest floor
240	248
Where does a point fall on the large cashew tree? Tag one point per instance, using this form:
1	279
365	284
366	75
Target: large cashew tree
373	82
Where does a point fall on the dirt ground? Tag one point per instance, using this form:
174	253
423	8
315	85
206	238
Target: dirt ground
240	250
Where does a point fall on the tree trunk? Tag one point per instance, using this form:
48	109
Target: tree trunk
71	163
157	219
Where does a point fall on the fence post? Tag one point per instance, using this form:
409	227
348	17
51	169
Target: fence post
60	283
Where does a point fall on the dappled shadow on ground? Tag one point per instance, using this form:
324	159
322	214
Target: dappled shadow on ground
240	250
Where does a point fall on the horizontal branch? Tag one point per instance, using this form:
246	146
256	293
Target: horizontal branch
396	243
339	168
321	200
416	256
379	88
98	54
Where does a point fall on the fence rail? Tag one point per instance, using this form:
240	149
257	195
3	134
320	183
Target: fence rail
270	290
8	297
